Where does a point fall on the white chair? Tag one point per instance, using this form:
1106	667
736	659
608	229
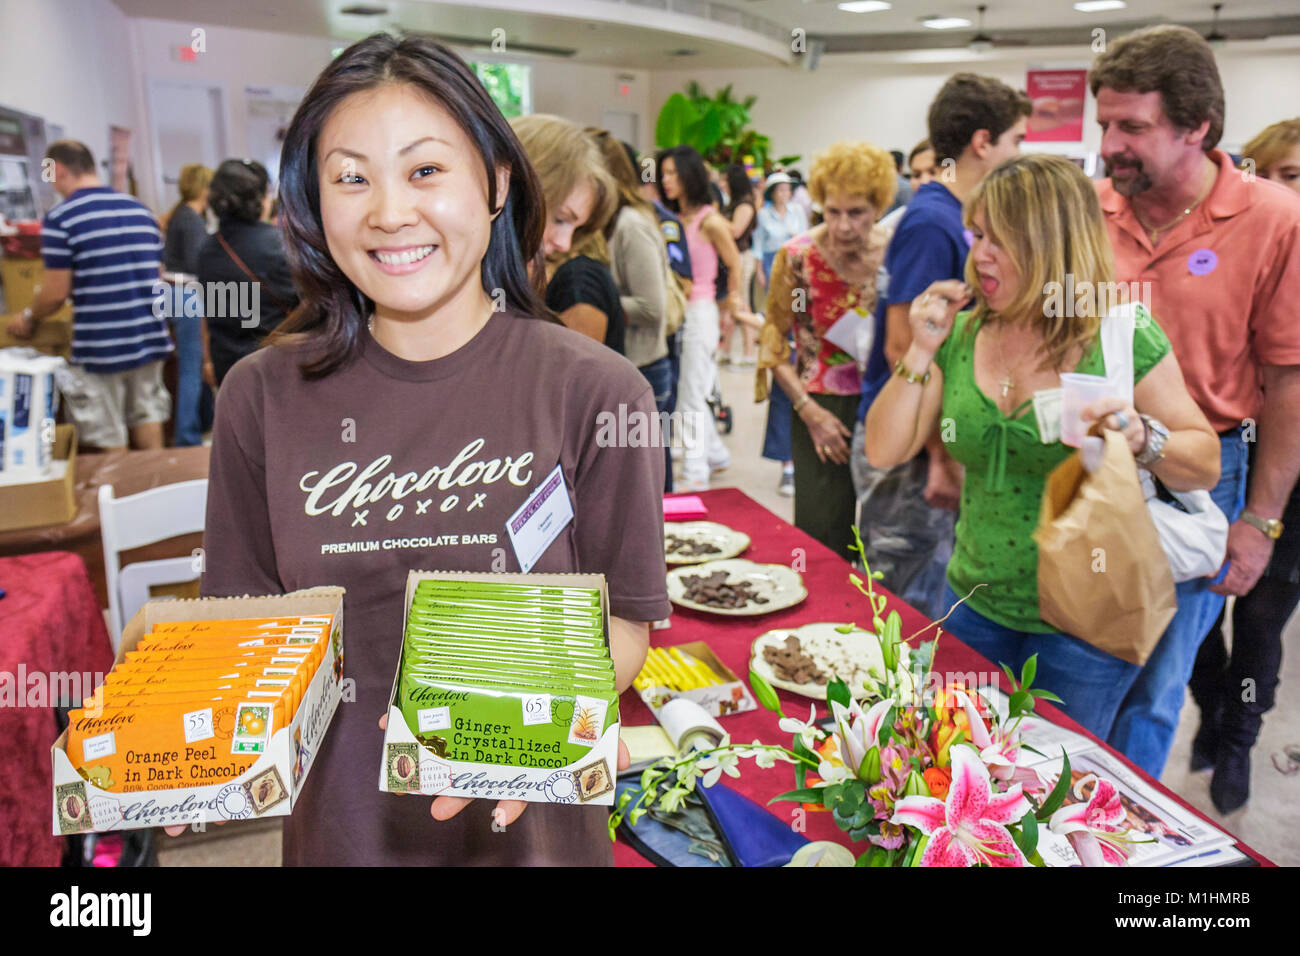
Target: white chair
138	520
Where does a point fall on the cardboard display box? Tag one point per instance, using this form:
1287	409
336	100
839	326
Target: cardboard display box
19	278
51	501
410	767
270	787
719	700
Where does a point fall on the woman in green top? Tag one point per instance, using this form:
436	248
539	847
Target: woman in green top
989	378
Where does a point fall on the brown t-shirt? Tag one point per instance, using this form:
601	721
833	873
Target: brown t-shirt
387	466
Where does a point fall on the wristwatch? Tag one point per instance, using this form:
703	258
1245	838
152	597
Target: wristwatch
911	378
1154	449
1270	526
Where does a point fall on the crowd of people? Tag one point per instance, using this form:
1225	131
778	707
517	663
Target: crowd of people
892	306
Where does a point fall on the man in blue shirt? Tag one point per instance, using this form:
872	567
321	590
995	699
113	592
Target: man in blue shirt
103	249
907	513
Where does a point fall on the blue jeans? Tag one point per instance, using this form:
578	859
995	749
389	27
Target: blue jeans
776	436
193	398
659	374
1145	726
1091	682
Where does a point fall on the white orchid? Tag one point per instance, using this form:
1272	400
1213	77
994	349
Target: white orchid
808	732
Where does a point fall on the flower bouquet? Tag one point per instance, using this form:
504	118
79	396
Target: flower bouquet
927	775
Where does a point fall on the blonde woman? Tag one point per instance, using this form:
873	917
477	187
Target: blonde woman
1275	153
580	198
992	372
817	278
186	230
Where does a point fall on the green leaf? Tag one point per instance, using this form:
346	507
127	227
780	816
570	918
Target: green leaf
764	693
850	800
1029	670
707	131
676	116
1036	859
1010	676
864	858
847	628
1057	796
838	691
1021	703
866	813
1028	834
801	795
887	726
1046	695
913	847
801	768
861	833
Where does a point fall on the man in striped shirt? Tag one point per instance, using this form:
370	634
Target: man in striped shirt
103	248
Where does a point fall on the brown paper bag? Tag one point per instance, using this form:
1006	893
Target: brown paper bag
1102	575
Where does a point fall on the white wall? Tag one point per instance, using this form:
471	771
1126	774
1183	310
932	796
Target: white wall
69	62
868	97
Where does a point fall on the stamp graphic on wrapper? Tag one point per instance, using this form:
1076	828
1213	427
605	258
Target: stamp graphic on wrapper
403	766
234	802
562	711
593	780
561	787
74	811
252	728
265	790
588	721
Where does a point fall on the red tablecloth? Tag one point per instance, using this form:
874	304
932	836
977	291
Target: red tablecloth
50	626
830	598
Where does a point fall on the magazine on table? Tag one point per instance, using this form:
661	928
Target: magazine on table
1178	836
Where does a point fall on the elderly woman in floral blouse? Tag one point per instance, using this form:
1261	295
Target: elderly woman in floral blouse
821	280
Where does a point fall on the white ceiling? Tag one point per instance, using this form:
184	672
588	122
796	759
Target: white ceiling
650	30
823	16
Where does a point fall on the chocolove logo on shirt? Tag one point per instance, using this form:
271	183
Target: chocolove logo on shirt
350	486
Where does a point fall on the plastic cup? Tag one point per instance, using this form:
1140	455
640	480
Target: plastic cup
1078	391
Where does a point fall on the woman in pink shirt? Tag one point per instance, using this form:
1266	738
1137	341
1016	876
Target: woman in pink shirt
684	186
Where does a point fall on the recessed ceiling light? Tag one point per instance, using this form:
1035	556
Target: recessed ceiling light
364	10
946	23
865	6
1097	6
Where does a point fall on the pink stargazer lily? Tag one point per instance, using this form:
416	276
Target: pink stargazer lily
969	827
999	750
1091	827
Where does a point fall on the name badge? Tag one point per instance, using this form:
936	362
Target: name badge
1047	409
540	519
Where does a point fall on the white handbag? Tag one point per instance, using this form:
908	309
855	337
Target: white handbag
1193	530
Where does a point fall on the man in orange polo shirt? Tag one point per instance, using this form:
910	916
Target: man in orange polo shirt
1221	252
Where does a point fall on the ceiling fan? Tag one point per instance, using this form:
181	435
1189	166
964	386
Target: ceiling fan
982	42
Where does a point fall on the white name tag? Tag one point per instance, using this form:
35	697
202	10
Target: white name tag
540	519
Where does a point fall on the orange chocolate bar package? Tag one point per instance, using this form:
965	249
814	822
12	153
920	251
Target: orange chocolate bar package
324	621
179	641
162	693
311	653
196	742
171	680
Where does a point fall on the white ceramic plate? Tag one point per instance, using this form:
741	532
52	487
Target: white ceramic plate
780	585
728	542
824	644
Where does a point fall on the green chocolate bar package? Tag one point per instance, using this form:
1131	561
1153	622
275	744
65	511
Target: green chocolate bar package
505	689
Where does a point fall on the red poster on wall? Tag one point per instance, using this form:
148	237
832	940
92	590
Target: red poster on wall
1057	96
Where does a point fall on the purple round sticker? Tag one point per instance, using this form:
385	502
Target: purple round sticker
968	236
1202	262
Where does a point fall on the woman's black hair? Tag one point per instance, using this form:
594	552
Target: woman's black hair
739	188
333	311
691	175
237	190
